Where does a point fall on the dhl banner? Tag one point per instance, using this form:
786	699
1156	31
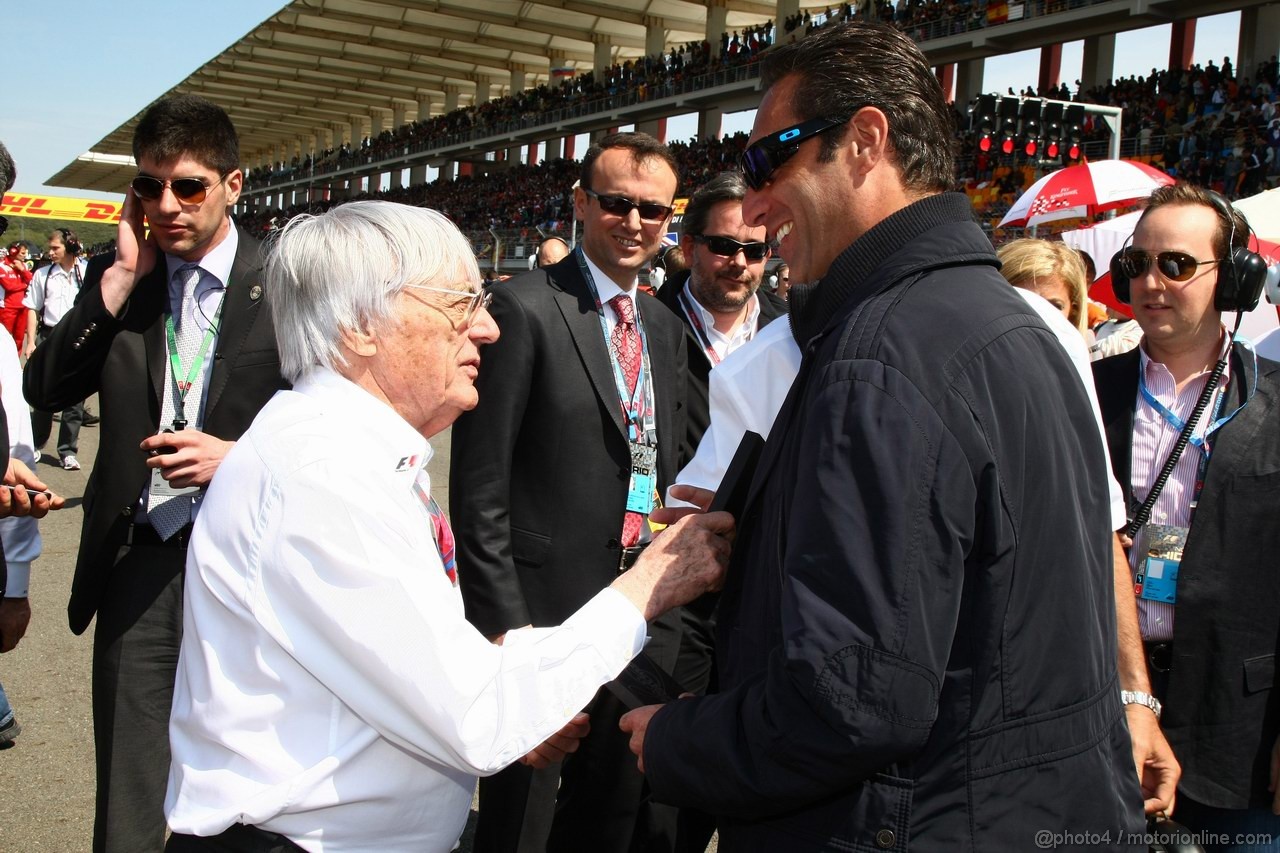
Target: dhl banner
57	207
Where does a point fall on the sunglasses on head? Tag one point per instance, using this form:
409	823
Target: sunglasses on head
186	190
727	247
650	211
764	156
1175	266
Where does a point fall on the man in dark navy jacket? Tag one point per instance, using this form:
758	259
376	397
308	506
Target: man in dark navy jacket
917	638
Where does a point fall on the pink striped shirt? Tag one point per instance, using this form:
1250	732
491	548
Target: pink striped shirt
1153	439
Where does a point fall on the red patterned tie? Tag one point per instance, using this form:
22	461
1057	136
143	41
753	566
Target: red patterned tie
626	349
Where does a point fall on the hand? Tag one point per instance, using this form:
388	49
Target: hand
28	347
689	494
636	723
560	744
196	456
18	501
1158	769
136	255
15	615
683	562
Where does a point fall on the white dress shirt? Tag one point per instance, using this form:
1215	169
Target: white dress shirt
20	534
53	291
329	687
748	388
721	343
215	273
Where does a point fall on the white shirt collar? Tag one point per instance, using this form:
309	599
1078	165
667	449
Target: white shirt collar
394	445
745	331
217	262
605	286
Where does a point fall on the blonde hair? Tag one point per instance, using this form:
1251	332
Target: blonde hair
1025	260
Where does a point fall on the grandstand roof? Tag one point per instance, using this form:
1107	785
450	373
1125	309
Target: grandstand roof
322	64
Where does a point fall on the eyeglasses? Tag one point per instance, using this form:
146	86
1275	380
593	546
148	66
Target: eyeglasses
1175	266
727	247
650	211
186	190
475	299
764	156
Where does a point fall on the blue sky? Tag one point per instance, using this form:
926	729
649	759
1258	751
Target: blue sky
74	85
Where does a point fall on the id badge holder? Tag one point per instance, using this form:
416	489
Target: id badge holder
1157	578
644	466
161	488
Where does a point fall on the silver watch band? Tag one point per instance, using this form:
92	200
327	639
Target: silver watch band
1139	697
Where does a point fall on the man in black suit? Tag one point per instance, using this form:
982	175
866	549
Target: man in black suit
718	297
1205	563
578	428
174	337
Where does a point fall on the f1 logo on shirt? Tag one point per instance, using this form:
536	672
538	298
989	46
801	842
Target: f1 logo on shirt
406	462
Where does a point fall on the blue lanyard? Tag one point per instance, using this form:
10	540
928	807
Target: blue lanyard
637	407
1202	443
1178	423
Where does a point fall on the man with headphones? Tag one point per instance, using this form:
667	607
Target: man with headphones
52	292
1193	403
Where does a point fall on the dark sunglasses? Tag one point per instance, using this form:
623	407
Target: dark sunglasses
727	247
186	190
1175	266
764	156
650	211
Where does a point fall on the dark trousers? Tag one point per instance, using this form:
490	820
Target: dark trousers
602	802
68	430
135	660
236	839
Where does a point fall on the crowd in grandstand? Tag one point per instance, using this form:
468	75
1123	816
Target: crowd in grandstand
1205	124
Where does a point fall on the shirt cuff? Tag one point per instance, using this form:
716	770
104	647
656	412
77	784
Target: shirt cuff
614	620
20	580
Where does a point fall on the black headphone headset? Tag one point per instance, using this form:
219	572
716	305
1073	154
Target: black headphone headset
1241	275
69	241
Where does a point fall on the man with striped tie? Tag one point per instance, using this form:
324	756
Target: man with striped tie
172	334
579	425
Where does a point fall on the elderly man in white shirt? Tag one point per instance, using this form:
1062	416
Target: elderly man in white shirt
330	694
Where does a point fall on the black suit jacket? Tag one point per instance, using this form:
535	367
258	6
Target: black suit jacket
698	401
123	360
540	468
1221	714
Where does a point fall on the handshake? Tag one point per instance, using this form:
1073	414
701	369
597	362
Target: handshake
683	562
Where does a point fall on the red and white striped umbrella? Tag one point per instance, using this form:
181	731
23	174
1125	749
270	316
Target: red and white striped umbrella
1084	190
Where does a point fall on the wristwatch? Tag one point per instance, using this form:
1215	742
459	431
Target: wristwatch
1138	697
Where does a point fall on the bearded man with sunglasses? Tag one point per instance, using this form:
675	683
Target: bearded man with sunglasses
917	637
718	299
173	336
1204	564
553	474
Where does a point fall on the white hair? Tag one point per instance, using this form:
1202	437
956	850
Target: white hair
341	270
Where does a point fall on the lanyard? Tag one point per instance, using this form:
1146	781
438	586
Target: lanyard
1217	421
197	364
699	330
638	407
1201	443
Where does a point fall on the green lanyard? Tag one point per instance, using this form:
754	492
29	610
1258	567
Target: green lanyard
175	361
